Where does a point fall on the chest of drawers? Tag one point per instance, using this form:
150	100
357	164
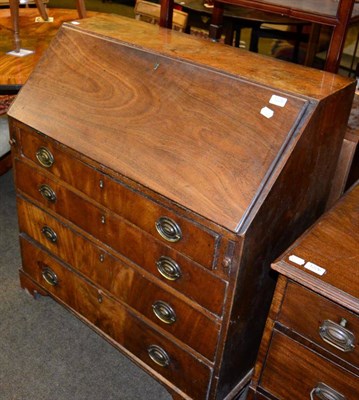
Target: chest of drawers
310	345
158	175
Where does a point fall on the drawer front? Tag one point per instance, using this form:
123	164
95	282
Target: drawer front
130	286
319	321
198	242
130	332
192	281
292	371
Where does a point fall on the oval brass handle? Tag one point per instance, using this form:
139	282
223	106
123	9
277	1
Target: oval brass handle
45	157
169	229
158	355
50	277
325	392
337	336
49	234
47	193
164	312
168	268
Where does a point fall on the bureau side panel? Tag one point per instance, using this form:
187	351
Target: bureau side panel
297	198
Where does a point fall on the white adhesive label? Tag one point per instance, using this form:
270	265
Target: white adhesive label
315	268
278	101
267	112
296	260
75	22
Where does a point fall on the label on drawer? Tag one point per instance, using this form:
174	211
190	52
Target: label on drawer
278	100
296	260
315	268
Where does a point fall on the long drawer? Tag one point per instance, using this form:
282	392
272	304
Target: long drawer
112	318
200	243
321	321
292	371
170	267
128	285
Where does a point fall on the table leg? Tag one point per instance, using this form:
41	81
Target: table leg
81	8
166	13
42	10
14	11
216	26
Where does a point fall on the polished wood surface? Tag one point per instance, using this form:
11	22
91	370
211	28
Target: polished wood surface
164	155
314	318
333	245
35	36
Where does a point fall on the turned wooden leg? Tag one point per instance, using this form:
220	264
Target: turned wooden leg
14	11
81	8
42	10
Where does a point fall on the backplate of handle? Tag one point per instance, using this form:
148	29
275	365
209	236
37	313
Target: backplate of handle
47	193
337	336
50	277
168	229
325	392
159	355
49	234
168	268
45	157
164	312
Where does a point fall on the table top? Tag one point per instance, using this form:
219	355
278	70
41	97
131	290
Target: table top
326	257
242	13
323	11
14	71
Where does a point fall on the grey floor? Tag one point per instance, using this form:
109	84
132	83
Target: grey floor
45	352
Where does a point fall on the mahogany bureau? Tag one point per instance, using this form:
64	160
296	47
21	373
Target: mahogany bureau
310	345
158	175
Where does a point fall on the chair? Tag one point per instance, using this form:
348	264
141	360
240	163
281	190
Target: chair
150	12
14	9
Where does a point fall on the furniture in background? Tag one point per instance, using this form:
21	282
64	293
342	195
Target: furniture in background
237	18
5	156
150	12
152	200
326	12
310	346
14	9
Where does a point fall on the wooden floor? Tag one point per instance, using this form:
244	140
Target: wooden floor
35	36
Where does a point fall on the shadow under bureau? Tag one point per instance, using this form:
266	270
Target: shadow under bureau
157	177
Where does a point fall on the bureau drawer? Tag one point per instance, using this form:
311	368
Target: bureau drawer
319	321
292	371
185	236
161	307
180	274
129	331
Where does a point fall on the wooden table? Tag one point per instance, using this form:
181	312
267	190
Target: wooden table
36	36
237	18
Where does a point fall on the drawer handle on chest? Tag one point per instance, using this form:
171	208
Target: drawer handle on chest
337	335
47	193
324	392
169	229
158	355
49	234
168	268
164	312
50	277
45	157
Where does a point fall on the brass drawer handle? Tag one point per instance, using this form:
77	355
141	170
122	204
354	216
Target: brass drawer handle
49	234
337	335
164	312
50	277
45	157
48	193
158	355
168	268
324	392
168	229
